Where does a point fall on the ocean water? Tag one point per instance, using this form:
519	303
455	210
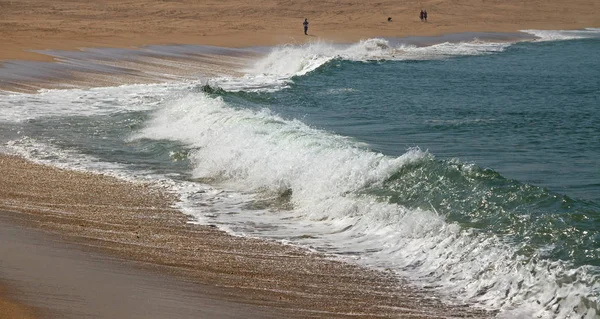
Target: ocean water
467	164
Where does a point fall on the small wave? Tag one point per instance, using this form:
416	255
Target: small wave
448	50
193	194
341	91
562	35
460	122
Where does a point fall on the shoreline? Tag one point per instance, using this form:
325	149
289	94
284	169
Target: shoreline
31	25
136	222
151	64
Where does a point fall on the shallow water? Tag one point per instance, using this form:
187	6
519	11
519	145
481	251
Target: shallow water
467	164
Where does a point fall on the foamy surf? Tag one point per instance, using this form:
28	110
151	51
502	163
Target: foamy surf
19	107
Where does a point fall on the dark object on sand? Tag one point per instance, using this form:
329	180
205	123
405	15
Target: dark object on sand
389	19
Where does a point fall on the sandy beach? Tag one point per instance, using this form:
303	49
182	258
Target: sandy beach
128	232
29	25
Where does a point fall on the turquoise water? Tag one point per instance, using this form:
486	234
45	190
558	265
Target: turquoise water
526	113
471	168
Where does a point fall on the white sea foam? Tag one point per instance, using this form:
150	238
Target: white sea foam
275	70
324	175
18	107
560	35
445	50
194	195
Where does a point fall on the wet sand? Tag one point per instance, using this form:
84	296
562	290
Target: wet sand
95	67
10	309
65	281
136	222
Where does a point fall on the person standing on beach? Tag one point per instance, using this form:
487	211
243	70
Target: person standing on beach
425	15
421	15
305	23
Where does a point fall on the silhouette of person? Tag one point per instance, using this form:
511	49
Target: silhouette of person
425	15
422	15
305	23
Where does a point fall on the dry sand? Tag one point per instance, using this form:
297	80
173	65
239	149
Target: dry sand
70	24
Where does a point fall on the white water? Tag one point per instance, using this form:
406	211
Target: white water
19	107
561	35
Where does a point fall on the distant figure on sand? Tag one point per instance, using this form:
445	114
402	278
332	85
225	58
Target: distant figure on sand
305	23
425	15
389	19
422	15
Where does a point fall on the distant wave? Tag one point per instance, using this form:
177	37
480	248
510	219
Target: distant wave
277	69
561	35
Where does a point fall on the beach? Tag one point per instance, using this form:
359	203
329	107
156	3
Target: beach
94	226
